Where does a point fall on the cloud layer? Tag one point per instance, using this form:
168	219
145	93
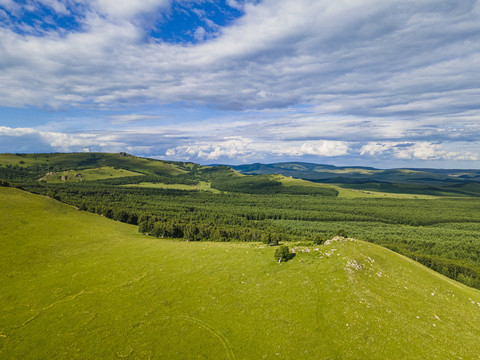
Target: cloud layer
392	79
374	57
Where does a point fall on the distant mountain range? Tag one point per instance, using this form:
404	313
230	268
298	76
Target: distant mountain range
411	180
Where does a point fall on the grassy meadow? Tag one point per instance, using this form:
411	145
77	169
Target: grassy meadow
201	186
92	160
104	172
216	203
348	193
76	285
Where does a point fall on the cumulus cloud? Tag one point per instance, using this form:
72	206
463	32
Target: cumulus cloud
31	140
418	151
174	144
228	148
421	151
375	148
247	149
428	151
366	56
324	148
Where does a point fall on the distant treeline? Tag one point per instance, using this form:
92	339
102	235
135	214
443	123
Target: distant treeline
264	184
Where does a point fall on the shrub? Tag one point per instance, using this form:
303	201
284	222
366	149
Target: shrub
318	240
282	253
342	233
270	240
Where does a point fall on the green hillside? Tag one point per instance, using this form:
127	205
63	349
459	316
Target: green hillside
104	172
78	161
215	203
135	171
79	286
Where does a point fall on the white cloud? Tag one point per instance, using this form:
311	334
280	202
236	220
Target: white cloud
199	33
351	57
56	5
6	131
420	151
235	147
325	148
375	148
387	78
247	149
234	4
128	9
33	140
131	118
428	151
176	145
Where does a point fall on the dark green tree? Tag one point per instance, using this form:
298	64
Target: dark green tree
282	253
342	233
318	240
190	232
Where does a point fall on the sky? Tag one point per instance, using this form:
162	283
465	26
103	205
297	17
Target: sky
345	82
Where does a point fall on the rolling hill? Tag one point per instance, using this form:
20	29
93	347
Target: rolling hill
435	225
79	161
79	286
437	182
78	167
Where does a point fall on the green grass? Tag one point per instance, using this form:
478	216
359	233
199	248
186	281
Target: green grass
58	159
350	171
104	172
354	193
95	160
201	186
290	181
20	160
79	286
143	165
348	193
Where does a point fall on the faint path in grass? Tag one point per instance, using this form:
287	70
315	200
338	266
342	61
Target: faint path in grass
218	334
69	298
134	280
322	325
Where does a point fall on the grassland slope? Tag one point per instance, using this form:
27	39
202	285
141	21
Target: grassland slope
78	286
79	161
105	172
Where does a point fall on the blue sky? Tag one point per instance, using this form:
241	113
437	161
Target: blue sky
366	82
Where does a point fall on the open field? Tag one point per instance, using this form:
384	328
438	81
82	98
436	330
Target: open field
353	193
201	186
104	172
77	285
